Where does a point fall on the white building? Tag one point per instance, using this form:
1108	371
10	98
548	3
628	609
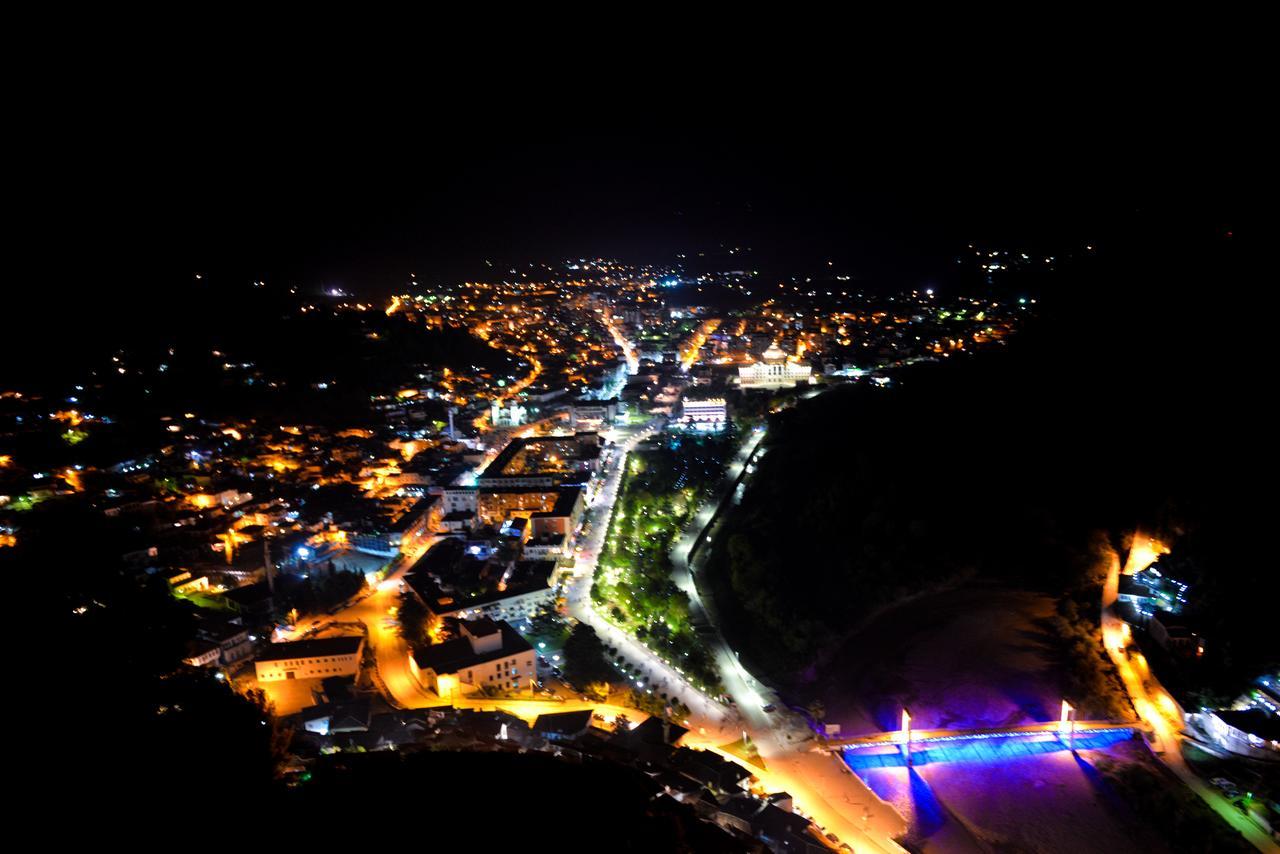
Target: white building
1247	732
710	412
202	653
310	659
513	414
774	371
456	498
487	654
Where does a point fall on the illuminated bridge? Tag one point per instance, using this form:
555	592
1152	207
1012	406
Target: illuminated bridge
921	747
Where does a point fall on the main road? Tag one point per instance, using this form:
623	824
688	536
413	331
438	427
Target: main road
656	673
822	786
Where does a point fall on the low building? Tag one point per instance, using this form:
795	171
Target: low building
709	412
712	770
525	588
202	653
183	582
555	511
331	718
310	659
487	654
234	641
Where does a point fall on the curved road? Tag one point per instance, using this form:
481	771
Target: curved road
1155	706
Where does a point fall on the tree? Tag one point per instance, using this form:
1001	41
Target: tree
584	657
413	619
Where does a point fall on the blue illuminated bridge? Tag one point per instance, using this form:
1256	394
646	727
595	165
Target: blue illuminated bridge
887	749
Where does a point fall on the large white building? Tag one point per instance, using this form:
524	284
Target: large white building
710	412
507	414
773	371
487	654
318	658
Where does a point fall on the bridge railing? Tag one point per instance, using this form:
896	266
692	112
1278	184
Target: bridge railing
921	736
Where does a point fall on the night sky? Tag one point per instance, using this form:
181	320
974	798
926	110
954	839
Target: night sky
126	207
362	211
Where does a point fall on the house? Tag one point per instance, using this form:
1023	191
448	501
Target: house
713	771
487	654
329	718
201	653
785	831
681	788
563	726
650	741
737	813
253	602
233	639
181	581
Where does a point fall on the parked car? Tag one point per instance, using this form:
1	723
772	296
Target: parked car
1226	786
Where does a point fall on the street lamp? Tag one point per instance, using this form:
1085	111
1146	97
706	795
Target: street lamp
1067	724
905	735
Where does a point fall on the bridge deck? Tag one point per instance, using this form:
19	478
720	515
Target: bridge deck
919	736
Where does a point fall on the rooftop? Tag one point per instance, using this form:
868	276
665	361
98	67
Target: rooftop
458	653
1253	721
311	648
563	723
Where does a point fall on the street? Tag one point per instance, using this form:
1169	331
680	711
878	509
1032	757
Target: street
1155	706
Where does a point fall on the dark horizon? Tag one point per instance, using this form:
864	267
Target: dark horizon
137	222
363	215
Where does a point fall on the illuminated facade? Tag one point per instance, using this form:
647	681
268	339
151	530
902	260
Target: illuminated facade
773	371
496	506
593	414
310	659
711	411
512	414
488	654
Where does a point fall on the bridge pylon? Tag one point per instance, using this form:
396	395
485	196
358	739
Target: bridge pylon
1067	725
